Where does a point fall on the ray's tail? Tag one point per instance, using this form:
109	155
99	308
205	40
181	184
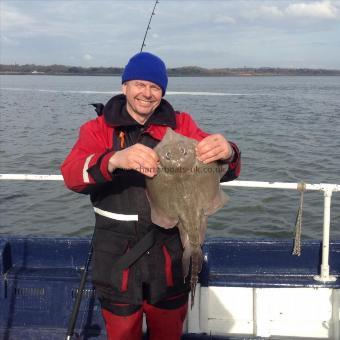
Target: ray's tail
196	267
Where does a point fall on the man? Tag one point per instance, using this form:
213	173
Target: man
137	266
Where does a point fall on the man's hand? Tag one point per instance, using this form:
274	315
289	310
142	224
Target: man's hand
213	148
136	157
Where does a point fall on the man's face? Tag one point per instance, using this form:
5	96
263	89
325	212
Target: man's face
142	98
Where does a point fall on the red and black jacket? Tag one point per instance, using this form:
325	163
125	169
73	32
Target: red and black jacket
157	274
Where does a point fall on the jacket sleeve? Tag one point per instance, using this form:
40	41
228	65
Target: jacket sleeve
187	126
234	164
86	164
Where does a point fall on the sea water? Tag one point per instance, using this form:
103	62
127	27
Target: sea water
287	128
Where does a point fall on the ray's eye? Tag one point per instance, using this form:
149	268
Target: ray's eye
168	155
183	151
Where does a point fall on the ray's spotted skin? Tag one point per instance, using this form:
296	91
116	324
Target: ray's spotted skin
184	193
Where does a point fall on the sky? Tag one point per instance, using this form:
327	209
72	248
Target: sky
212	34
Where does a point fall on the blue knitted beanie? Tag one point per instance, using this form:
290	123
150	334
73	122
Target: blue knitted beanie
146	66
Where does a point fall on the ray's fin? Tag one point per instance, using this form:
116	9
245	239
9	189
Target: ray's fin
159	218
217	203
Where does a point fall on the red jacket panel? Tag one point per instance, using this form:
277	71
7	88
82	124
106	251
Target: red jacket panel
95	143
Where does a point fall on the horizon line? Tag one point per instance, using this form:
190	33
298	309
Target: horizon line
185	66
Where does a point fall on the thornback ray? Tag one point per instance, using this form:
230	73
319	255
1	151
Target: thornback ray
183	194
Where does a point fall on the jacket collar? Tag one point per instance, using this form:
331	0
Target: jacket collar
115	114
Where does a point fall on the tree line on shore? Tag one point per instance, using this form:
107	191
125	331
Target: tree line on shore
178	71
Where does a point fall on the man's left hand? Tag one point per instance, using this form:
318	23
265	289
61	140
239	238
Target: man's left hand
213	148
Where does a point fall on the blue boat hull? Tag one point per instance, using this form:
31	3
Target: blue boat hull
40	277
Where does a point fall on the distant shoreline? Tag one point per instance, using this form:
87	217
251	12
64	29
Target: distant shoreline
170	75
187	71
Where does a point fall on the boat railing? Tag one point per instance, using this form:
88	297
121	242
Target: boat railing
326	188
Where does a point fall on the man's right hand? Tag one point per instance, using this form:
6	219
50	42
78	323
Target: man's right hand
136	157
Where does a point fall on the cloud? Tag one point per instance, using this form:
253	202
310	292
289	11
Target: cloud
8	41
267	12
317	10
271	12
224	19
87	57
19	24
11	18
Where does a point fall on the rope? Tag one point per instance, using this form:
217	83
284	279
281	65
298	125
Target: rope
298	222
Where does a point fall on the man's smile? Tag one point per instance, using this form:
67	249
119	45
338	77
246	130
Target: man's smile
145	101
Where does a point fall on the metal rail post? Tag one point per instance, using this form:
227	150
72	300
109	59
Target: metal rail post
324	269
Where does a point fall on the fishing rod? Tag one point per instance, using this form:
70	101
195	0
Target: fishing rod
148	27
77	302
